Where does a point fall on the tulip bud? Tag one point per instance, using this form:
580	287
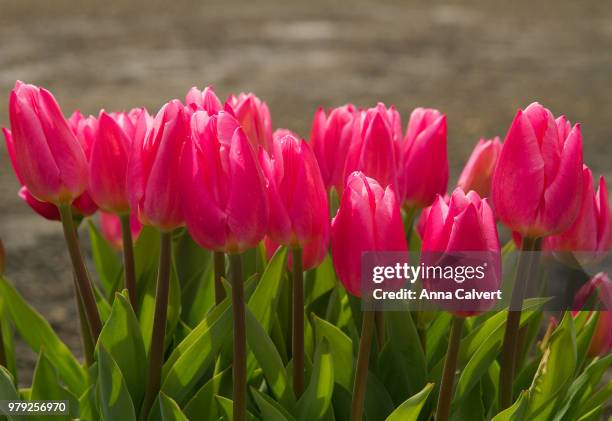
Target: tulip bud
465	224
368	220
48	158
205	100
154	182
423	166
110	227
590	236
226	206
422	222
253	116
599	290
374	150
280	133
296	194
331	137
478	171
537	184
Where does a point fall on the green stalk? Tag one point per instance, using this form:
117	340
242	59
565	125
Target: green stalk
219	263
86	339
297	342
363	358
129	269
82	281
239	363
509	348
450	366
156	352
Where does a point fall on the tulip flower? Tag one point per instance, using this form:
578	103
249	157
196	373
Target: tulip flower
48	157
110	227
374	151
375	212
154	182
205	100
296	193
422	221
599	290
81	206
280	133
330	136
226	206
478	171
590	236
537	184
254	118
423	162
313	252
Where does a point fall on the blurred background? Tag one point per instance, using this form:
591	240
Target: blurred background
477	61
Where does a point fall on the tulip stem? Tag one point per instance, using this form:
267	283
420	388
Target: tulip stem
297	343
409	216
239	363
83	282
509	349
450	366
363	358
128	260
219	263
88	345
156	351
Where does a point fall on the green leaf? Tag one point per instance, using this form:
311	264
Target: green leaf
471	407
146	251
46	385
319	281
122	339
556	370
265	298
198	295
6	328
316	399
115	400
37	333
270	361
192	357
202	404
88	407
270	409
341	348
481	346
517	412
584	336
169	409
411	408
7	389
403	367
226	407
378	403
107	262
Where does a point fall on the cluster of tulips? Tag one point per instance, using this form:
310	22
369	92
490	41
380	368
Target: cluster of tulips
220	174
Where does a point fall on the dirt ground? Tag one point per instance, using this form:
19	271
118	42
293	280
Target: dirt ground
477	61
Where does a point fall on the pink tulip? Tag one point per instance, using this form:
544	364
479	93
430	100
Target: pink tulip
205	100
478	171
537	184
81	206
330	136
280	133
313	252
590	236
154	181
423	164
422	221
465	224
296	194
113	138
47	155
374	151
254	117
226	207
368	220
600	289
110	227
